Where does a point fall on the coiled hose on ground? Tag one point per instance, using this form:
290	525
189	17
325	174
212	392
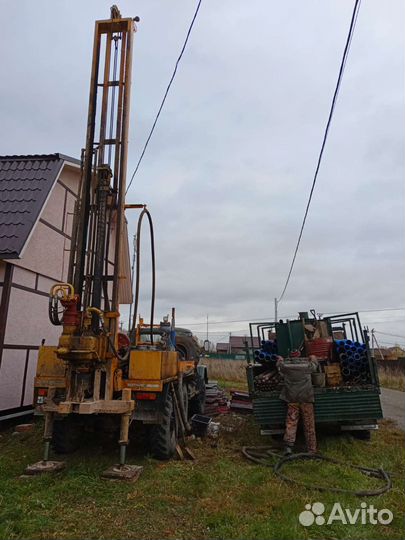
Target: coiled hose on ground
262	455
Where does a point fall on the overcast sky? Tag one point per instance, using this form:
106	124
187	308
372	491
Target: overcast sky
228	171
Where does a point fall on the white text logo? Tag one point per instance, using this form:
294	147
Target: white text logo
314	514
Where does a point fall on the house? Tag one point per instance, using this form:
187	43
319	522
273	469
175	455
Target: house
37	198
222	348
389	353
237	345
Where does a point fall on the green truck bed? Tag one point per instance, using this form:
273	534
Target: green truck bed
348	406
341	406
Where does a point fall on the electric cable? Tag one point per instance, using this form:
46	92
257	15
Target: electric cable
391	343
261	455
165	94
332	108
290	316
388	334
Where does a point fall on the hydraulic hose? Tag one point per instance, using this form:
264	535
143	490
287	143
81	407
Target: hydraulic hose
144	212
179	392
261	455
53	311
376	473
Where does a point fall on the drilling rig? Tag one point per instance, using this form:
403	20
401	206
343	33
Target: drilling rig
97	377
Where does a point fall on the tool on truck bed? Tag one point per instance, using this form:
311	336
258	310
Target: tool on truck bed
346	389
346	386
98	377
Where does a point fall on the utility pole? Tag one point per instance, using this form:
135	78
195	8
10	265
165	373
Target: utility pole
275	310
375	342
206	342
372	343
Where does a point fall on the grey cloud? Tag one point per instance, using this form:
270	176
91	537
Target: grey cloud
229	169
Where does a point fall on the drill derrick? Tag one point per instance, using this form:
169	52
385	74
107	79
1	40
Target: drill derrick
94	266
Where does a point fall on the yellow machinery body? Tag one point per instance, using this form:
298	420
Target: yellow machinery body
152	365
95	370
149	371
51	370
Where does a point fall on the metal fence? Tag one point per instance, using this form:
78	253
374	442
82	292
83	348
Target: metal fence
393	365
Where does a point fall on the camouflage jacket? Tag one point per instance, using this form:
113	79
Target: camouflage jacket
297	380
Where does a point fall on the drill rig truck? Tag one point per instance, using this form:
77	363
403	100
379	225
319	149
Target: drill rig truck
97	377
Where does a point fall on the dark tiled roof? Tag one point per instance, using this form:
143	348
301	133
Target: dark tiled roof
238	342
25	183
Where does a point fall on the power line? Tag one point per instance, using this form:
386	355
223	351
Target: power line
391	343
223	333
388	334
378	310
270	318
225	322
165	95
335	95
383	321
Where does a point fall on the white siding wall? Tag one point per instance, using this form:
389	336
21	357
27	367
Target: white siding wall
43	262
27	320
11	380
24	277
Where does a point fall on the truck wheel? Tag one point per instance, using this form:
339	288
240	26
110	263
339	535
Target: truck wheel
186	399
163	437
66	435
187	347
197	404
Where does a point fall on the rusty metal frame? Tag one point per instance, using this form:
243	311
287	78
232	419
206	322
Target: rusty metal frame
106	31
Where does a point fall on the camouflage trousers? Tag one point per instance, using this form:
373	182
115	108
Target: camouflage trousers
306	410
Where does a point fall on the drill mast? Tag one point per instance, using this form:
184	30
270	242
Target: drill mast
96	373
97	236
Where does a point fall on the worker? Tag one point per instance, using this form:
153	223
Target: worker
298	392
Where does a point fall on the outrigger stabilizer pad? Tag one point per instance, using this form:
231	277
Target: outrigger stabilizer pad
42	467
123	472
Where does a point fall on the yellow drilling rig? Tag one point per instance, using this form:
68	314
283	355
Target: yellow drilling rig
97	377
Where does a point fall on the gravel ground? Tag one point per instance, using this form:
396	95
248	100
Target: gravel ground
393	404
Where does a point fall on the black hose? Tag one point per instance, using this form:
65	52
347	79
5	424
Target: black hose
144	212
178	412
260	455
179	394
123	360
53	311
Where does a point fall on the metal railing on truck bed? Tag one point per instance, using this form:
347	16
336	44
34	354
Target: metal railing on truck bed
355	400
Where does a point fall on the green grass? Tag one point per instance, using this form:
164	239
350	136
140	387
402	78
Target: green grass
220	495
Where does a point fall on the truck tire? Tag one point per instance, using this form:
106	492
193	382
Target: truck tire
66	435
185	399
187	347
197	403
163	437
